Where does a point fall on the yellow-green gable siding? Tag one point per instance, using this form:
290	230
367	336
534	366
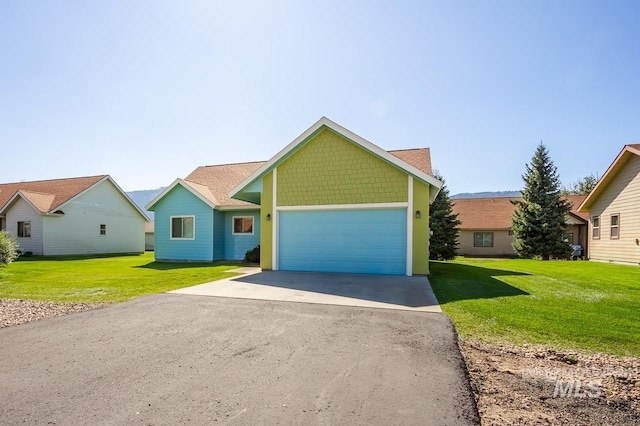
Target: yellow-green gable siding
329	169
266	230
420	228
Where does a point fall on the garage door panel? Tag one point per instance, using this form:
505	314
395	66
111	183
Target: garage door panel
359	241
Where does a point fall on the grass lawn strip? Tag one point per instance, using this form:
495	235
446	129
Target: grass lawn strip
588	306
104	279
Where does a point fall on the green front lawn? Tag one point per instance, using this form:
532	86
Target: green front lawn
102	279
565	304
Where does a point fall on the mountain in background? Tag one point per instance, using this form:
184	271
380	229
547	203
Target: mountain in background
142	198
493	194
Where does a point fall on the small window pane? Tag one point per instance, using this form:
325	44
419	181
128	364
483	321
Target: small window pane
243	225
483	239
187	227
176	227
24	229
103	229
614	220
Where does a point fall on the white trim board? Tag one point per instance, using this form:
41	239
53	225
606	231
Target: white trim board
409	271
274	221
378	206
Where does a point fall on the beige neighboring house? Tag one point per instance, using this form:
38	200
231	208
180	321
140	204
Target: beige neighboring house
613	209
148	235
486	225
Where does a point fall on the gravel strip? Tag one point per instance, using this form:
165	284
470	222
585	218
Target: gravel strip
536	385
19	311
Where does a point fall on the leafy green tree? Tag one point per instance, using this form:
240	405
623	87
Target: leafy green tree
8	248
540	218
443	244
582	186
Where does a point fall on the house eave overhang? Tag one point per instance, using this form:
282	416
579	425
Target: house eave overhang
228	208
309	134
627	153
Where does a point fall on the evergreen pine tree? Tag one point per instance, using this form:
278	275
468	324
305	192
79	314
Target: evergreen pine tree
443	244
540	219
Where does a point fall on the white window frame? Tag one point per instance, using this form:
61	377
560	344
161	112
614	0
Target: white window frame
182	238
24	223
103	229
233	225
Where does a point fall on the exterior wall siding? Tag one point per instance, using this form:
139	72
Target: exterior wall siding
622	196
181	202
501	243
22	211
218	235
236	246
266	232
331	170
420	264
78	230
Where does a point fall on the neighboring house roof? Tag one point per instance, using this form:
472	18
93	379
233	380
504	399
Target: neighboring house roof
627	152
47	195
50	196
406	160
496	213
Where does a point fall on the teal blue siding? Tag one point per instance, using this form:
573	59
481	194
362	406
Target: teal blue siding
218	235
181	202
236	246
356	241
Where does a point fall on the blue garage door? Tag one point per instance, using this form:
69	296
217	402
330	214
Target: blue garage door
357	241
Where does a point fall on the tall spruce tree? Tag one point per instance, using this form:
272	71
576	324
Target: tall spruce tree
443	244
540	218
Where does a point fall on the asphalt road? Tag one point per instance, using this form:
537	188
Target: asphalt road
179	359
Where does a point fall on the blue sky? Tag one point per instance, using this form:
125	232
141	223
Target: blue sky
148	90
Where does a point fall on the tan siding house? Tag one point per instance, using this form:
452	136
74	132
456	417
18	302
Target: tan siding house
486	225
614	210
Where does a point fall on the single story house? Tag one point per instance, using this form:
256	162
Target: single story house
148	235
613	208
486	225
85	215
330	201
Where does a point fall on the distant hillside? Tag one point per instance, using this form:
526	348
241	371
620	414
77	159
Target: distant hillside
493	194
142	198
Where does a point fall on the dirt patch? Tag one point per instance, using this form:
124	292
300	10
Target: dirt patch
19	311
539	386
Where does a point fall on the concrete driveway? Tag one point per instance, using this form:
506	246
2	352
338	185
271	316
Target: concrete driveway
369	291
178	359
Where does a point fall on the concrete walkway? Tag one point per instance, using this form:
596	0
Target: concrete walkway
368	291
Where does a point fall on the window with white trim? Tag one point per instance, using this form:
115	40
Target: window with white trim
595	227
483	239
615	226
24	229
103	229
183	227
243	225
